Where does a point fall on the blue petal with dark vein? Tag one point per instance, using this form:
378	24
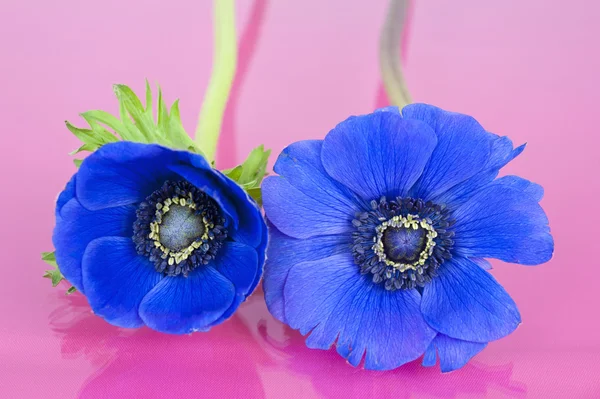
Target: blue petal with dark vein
528	188
453	353
483	263
463	148
116	279
304	214
247	222
261	251
66	195
465	302
239	264
329	299
502	154
78	226
300	164
503	222
284	252
379	154
182	305
123	173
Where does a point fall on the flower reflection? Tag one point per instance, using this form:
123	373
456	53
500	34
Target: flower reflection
251	356
331	377
144	363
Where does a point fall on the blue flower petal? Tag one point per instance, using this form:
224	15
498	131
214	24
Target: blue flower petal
78	226
453	353
331	300
251	222
463	148
532	190
284	252
122	173
430	357
66	195
181	305
379	154
239	264
251	226
304	214
502	222
483	263
237	301
239	298
261	254
208	183
261	251
242	210
300	164
467	303
392	108
116	279
502	153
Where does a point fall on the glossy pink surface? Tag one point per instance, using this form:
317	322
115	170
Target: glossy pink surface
528	70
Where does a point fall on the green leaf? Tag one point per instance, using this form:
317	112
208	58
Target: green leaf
148	99
163	114
250	174
77	162
131	132
136	111
84	147
234	174
49	258
256	194
96	136
136	123
176	133
254	167
53	274
85	135
105	118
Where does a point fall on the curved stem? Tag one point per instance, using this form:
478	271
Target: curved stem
389	53
221	80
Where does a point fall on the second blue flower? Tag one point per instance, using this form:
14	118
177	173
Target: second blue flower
380	232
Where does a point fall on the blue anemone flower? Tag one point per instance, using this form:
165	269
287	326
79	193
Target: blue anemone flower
379	235
157	237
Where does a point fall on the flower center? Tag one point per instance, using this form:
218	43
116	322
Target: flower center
403	245
178	228
402	242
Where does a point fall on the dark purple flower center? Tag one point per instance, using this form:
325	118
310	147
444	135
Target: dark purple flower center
178	228
401	243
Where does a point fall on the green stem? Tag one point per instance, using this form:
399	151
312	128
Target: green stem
389	53
221	80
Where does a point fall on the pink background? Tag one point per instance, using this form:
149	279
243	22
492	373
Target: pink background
526	69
